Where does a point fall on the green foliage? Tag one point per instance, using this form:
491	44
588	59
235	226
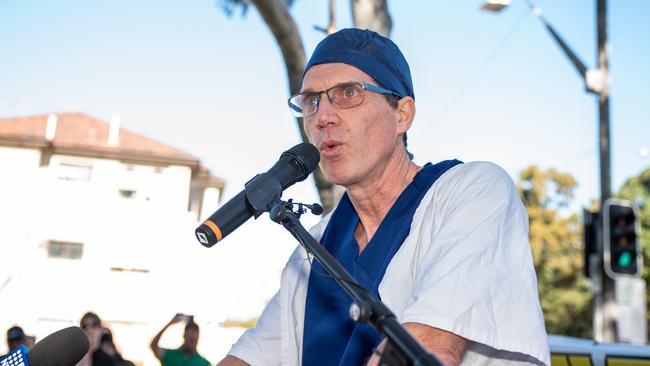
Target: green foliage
229	6
556	243
637	191
236	323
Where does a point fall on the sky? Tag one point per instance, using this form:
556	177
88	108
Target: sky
489	87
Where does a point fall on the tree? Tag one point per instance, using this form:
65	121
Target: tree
555	240
371	14
637	191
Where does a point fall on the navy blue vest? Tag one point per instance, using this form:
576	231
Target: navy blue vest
330	337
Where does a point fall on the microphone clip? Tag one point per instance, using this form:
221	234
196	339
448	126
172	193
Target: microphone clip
314	208
296	208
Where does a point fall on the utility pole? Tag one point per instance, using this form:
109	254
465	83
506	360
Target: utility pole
596	82
607	296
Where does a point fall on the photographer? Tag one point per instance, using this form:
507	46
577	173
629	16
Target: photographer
186	355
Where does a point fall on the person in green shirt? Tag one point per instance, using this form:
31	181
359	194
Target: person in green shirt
186	355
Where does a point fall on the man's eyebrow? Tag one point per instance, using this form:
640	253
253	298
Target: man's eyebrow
311	90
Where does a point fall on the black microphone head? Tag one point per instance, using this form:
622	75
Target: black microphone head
306	157
63	348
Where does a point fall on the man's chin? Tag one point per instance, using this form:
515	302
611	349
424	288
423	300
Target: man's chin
344	180
337	172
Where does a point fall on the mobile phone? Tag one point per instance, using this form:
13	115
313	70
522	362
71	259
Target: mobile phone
185	318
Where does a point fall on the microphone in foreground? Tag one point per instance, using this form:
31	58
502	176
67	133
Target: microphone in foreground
63	348
263	190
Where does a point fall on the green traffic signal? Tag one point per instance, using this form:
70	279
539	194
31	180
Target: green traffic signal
622	254
625	259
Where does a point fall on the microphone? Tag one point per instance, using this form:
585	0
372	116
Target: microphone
259	193
63	348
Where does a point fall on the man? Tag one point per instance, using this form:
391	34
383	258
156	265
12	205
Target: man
187	354
15	337
444	246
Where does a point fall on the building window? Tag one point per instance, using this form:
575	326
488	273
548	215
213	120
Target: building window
64	249
127	193
75	171
129	270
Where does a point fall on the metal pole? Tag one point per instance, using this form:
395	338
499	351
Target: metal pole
608	301
605	318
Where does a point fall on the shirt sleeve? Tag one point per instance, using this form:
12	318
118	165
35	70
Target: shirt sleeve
473	272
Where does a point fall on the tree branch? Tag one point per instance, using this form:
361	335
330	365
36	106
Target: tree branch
373	15
331	27
285	30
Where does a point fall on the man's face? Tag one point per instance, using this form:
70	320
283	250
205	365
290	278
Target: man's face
355	144
191	339
15	343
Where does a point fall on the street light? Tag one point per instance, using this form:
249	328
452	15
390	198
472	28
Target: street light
495	5
593	78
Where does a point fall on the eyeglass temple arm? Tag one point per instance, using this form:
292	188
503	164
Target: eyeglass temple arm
380	90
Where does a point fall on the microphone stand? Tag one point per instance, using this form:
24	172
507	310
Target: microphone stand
401	348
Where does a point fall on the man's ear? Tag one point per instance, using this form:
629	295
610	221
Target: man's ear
406	110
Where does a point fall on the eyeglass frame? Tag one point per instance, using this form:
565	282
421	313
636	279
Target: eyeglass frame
364	86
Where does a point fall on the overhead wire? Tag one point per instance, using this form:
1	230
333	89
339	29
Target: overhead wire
480	70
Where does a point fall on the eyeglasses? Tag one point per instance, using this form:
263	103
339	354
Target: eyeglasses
343	96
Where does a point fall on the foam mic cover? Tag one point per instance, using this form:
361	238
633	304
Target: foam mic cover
62	348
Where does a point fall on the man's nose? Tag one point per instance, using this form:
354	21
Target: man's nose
326	113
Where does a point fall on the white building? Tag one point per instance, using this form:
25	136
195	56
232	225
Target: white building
97	218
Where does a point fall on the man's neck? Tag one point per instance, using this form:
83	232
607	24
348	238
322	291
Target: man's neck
374	198
187	351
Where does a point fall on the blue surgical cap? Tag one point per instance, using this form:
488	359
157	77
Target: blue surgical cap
370	52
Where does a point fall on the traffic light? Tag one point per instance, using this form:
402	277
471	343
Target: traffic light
622	252
590	238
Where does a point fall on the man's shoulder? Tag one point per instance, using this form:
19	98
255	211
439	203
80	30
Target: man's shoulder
175	357
205	361
202	360
481	182
475	170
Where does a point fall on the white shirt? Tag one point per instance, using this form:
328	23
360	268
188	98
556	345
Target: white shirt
465	267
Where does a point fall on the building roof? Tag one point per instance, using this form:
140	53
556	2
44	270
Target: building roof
82	135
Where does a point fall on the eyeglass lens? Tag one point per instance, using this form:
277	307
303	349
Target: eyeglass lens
342	96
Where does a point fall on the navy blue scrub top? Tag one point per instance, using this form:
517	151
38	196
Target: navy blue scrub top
330	337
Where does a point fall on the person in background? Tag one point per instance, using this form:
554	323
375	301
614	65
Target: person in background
30	341
15	337
91	324
109	352
187	354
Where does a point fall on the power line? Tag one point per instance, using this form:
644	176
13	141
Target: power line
480	70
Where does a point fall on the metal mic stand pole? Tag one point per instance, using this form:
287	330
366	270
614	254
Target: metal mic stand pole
365	307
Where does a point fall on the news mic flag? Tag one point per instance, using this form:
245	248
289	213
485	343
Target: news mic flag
17	357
